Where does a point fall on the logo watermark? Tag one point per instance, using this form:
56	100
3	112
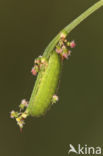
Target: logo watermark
84	150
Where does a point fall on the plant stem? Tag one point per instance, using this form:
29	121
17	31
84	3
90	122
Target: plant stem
71	26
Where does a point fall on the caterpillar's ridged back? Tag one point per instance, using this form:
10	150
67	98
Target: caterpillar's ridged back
46	86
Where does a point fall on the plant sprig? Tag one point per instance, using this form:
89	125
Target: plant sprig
49	68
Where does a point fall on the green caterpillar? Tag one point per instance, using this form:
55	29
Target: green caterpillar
49	68
47	85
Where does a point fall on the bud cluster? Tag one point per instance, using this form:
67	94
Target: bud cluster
20	116
63	46
38	64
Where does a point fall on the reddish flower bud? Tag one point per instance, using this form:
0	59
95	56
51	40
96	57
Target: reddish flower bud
37	61
72	44
65	56
33	71
58	50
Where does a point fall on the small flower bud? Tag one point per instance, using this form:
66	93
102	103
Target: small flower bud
23	104
20	122
43	60
24	115
64	47
65	56
65	41
55	99
63	35
68	44
61	43
37	61
72	44
13	114
58	50
34	70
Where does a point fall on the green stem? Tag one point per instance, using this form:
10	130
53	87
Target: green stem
71	26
